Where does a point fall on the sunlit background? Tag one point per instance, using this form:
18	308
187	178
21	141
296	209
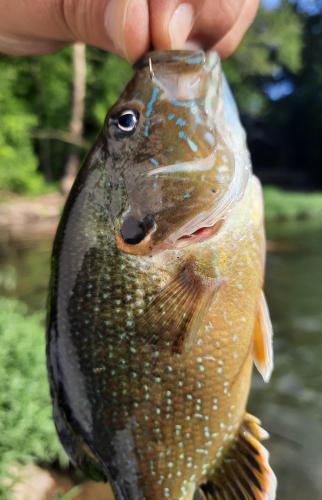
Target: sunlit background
51	109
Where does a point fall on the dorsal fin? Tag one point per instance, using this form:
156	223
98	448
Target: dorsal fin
173	318
263	340
244	473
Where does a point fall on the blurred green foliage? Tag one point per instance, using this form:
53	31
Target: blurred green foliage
106	77
35	103
26	425
283	205
18	161
273	44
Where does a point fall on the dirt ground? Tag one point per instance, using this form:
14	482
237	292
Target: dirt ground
24	218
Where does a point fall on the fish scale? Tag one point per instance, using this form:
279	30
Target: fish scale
151	337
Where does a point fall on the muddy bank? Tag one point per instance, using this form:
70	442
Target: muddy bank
30	218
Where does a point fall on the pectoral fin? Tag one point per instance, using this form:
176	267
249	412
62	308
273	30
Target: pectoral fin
173	318
244	473
263	340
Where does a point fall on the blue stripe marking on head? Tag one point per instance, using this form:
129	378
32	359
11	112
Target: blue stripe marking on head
181	122
154	162
149	110
191	144
170	117
184	104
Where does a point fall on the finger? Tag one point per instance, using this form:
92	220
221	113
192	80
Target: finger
40	26
215	19
31	27
17	45
228	44
120	26
127	23
171	22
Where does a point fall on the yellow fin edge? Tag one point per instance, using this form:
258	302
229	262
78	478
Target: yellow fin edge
244	473
263	340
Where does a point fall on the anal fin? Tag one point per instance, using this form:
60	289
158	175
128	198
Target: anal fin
244	473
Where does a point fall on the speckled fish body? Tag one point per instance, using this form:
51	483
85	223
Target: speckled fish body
156	311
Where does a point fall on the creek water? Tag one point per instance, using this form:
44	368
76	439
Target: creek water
290	406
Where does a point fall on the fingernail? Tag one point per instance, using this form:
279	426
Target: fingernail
181	24
114	22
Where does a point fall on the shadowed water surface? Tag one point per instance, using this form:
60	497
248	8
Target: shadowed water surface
291	405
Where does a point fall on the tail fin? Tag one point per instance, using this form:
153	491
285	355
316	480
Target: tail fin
244	473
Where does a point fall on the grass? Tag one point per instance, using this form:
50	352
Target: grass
285	205
27	431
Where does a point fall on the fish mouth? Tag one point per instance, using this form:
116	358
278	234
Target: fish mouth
147	245
199	235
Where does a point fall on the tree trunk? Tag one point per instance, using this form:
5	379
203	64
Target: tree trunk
77	115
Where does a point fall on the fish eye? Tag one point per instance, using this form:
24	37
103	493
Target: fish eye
127	120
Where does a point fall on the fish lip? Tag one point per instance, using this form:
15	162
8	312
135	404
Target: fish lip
170	56
199	235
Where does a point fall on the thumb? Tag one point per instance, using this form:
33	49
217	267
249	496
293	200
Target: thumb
172	22
42	26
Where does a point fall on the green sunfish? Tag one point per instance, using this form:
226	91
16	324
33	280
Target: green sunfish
156	309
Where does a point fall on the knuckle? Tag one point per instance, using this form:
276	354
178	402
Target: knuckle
75	15
230	11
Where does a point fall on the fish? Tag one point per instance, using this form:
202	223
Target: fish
156	310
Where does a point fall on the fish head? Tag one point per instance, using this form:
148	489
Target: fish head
176	168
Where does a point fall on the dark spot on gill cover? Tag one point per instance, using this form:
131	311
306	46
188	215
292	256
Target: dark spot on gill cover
133	231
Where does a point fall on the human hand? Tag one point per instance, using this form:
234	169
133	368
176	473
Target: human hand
126	27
